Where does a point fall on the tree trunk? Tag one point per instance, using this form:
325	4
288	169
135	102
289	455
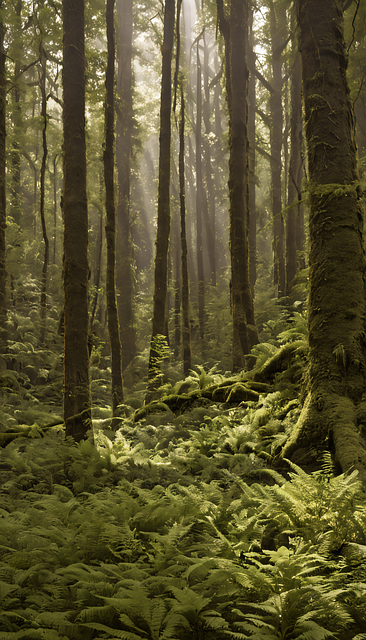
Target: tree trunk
54	207
186	330
110	227
158	339
277	23
333	413
200	196
251	161
15	199
77	400
42	82
210	184
2	180
295	172
236	37
124	275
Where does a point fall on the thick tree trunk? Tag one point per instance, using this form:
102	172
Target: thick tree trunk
15	198
77	400
277	23
333	412
295	210
42	83
186	331
124	125
2	180
200	197
110	227
163	228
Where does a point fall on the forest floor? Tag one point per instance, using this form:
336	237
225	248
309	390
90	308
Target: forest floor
179	524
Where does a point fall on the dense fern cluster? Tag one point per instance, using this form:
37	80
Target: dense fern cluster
180	529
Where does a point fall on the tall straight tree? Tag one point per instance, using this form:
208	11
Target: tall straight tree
295	214
77	412
186	330
42	84
2	176
278	34
334	411
124	125
163	228
200	198
110	227
236	35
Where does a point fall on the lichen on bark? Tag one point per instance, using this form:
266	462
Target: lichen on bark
336	319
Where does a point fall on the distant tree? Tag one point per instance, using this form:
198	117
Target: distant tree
77	402
110	228
163	228
334	410
200	201
2	175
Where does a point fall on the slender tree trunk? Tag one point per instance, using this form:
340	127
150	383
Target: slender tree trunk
210	185
124	125
186	330
200	195
15	197
77	400
54	207
98	268
2	180
163	228
334	412
277	23
295	173
251	160
110	227
42	194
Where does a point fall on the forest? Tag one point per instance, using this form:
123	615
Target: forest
182	319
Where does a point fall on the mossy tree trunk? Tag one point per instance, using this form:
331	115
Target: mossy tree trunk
110	227
77	401
333	411
235	34
124	126
186	330
159	337
2	179
295	212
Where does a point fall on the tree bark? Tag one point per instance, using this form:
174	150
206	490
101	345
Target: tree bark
42	82
333	413
110	227
236	39
163	228
77	402
2	180
124	125
200	197
251	160
295	210
277	22
15	198
186	330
